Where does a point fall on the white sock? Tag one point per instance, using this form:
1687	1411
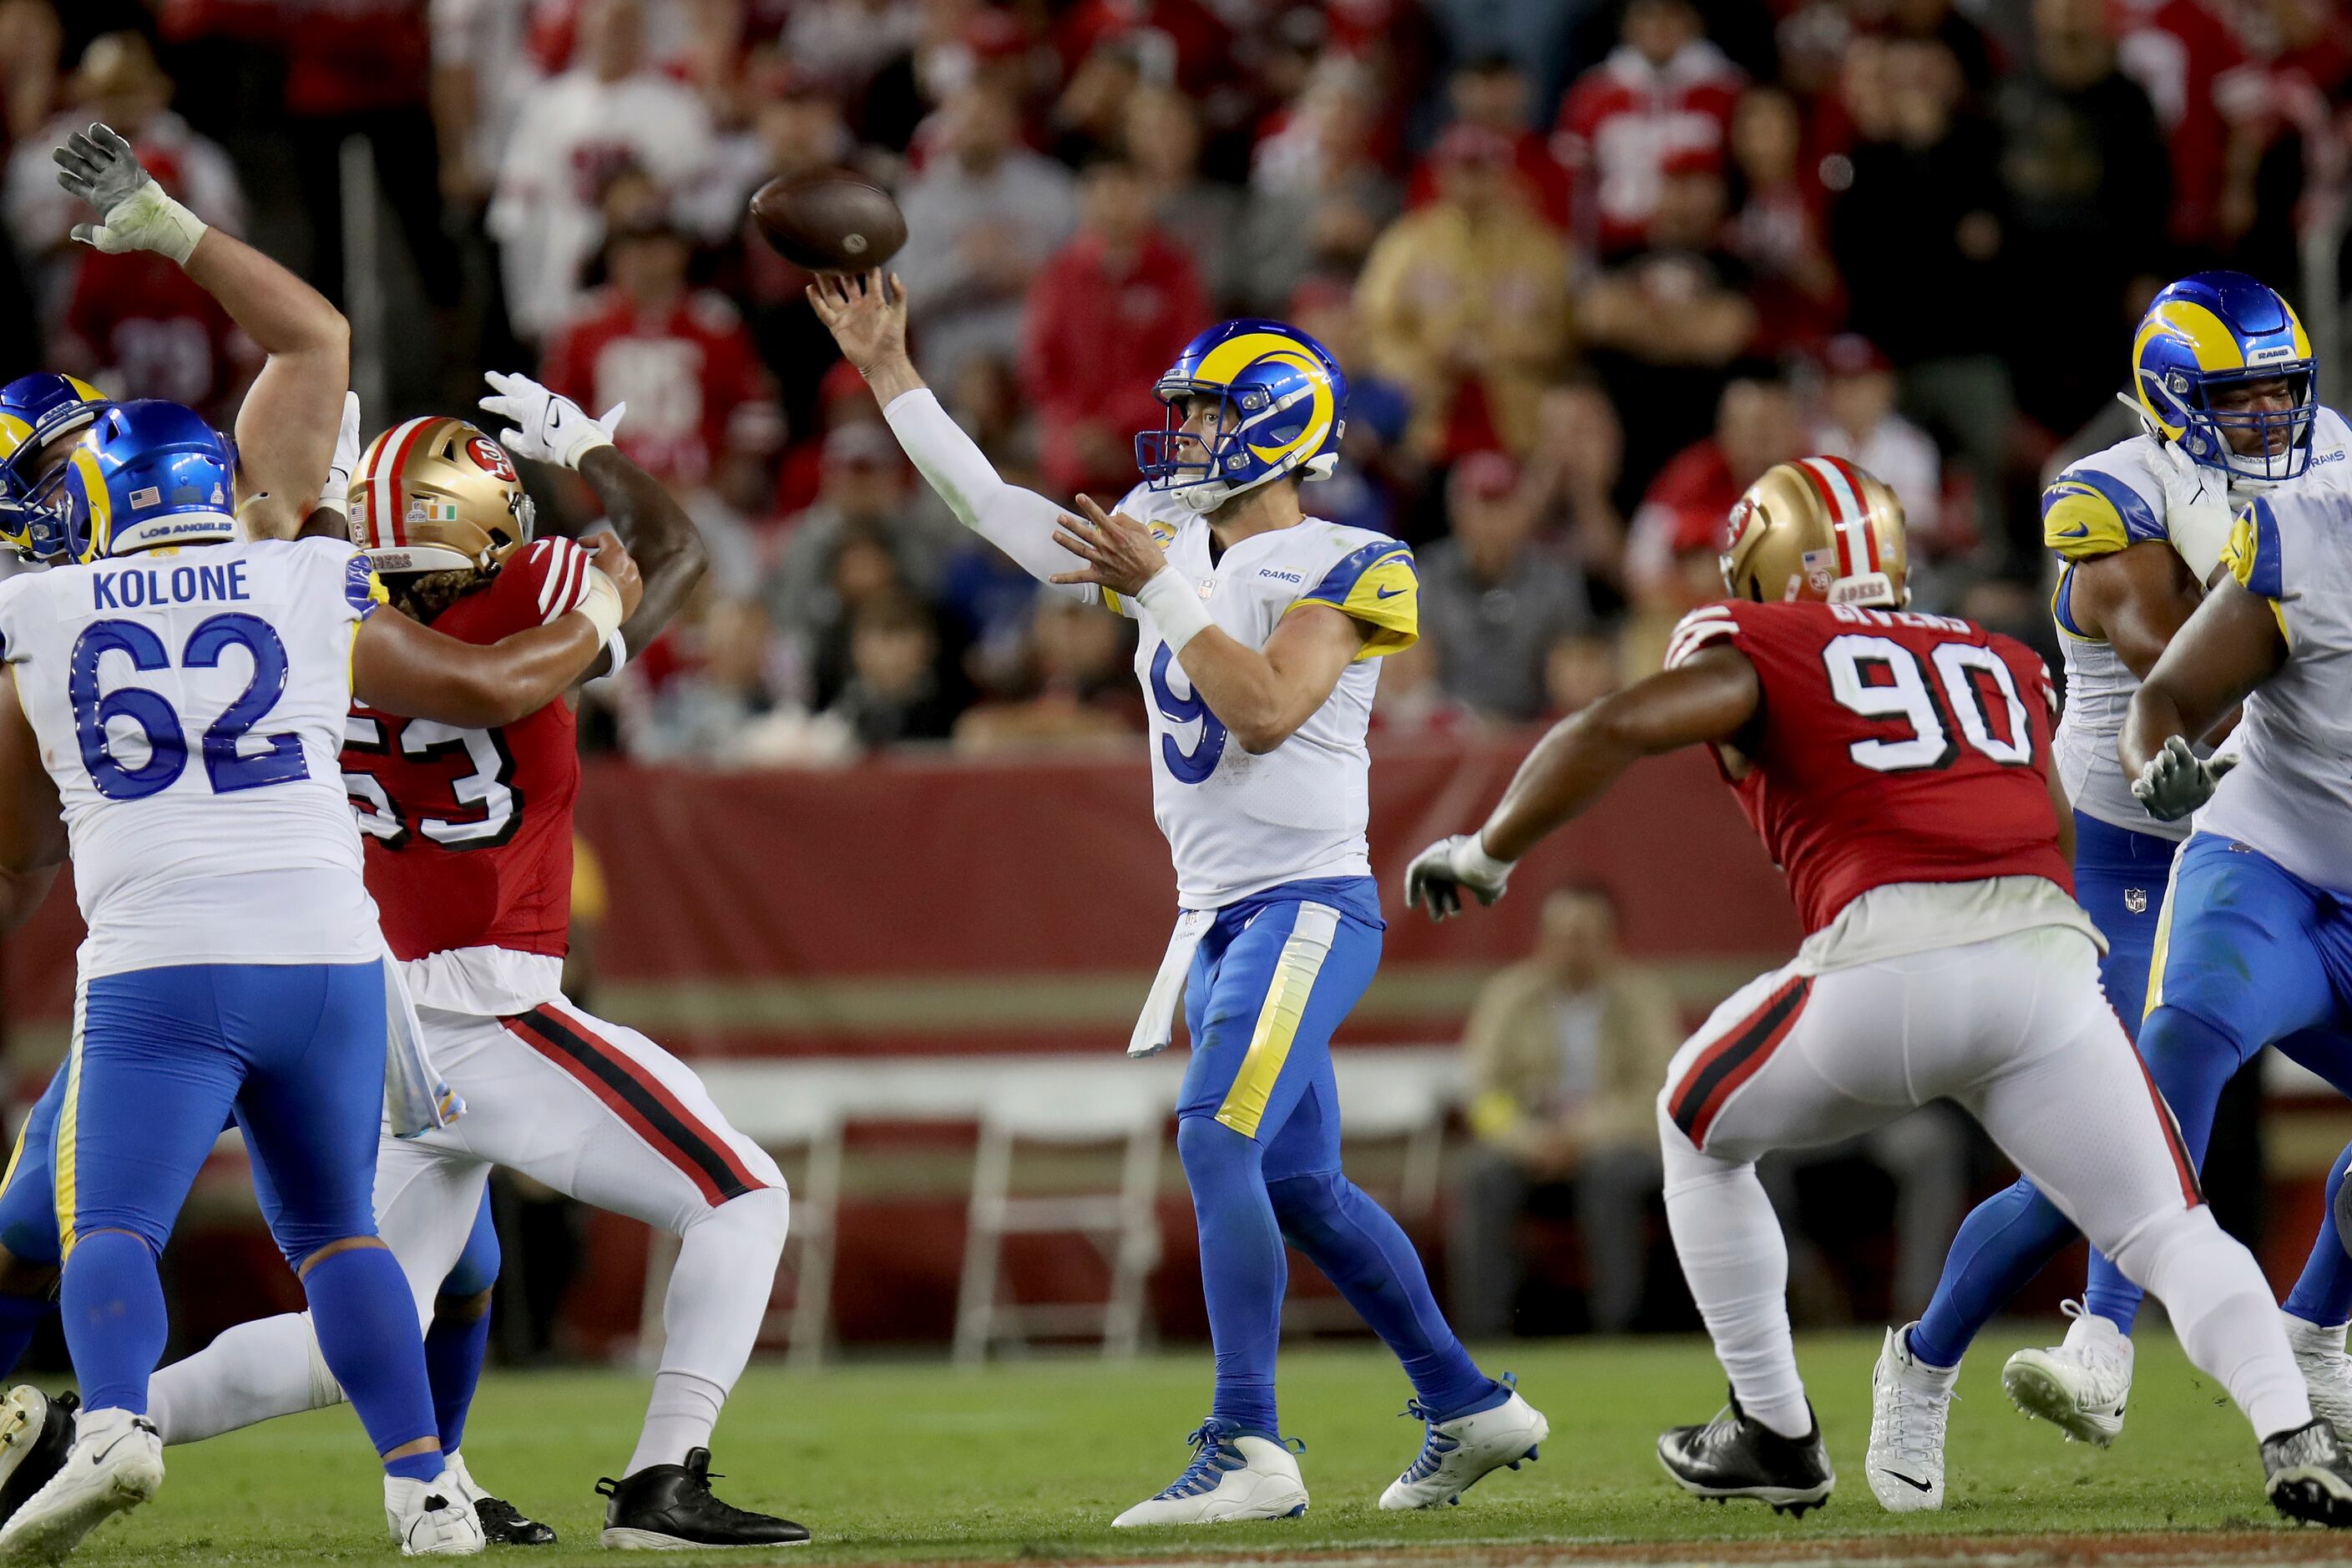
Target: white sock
680	1416
251	1372
710	1318
1737	1262
2223	1313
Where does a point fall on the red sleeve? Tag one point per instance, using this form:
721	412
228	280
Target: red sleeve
1705	628
543	581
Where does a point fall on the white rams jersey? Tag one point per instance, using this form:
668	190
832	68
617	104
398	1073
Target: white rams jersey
1239	823
2102	504
2291	794
190	704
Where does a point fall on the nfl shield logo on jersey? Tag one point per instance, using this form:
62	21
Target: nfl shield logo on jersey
2135	900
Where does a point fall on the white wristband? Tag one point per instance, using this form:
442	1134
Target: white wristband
602	605
1174	608
1472	858
618	646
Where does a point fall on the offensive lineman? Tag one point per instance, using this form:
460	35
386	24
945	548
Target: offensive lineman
180	693
469	839
2226	385
1258	628
1897	767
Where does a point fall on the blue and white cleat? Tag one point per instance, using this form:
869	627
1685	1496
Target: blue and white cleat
1234	1475
1456	1454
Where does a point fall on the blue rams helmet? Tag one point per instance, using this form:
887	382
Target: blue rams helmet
36	411
145	474
1281	407
2211	331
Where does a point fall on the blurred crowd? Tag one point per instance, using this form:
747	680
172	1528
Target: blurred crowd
1591	267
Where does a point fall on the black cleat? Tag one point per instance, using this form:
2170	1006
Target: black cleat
668	1507
2307	1474
503	1524
36	1432
1735	1456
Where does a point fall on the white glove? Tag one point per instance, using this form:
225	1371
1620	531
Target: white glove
337	492
1438	874
546	428
2197	510
2176	781
134	212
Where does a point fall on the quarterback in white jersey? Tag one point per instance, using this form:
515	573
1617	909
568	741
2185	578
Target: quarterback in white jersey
1260	628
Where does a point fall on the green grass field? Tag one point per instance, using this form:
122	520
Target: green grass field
908	1463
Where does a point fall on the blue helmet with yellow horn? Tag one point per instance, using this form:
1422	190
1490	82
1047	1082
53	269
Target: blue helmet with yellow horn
1281	407
2207	333
145	473
37	413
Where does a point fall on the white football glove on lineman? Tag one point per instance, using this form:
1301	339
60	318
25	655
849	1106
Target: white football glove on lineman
2176	781
134	212
337	492
2197	510
1438	874
546	428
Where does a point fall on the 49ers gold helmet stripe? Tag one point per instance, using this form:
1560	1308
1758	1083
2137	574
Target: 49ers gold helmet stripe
380	471
1840	491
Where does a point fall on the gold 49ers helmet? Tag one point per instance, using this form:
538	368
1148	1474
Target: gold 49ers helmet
1819	528
438	495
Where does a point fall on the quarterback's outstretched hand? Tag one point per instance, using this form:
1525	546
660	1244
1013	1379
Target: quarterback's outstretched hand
1438	874
546	428
337	492
866	314
134	212
2176	781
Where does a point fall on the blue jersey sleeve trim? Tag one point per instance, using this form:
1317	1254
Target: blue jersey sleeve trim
2141	521
1340	581
2265	578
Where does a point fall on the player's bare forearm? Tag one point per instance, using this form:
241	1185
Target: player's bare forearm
2231	645
668	549
285	426
1263	696
2138	599
1708	698
403	668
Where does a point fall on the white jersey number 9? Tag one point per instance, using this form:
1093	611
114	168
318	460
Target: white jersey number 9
1878	677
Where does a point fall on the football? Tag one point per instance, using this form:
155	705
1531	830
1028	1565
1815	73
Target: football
830	222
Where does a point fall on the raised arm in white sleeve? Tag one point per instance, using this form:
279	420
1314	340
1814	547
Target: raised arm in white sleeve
1019	523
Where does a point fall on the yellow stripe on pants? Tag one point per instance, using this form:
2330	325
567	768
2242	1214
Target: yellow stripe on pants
66	1120
2163	938
1308	944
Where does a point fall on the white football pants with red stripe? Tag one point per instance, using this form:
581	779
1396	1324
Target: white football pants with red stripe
595	1110
2015	1031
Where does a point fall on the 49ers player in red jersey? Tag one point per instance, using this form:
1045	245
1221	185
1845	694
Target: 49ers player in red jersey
1897	766
470	859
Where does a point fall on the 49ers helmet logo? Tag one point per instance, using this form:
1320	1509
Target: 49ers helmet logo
490	457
